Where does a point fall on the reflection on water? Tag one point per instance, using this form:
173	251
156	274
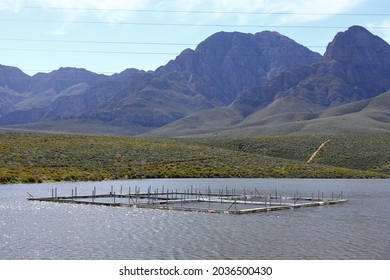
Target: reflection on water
40	230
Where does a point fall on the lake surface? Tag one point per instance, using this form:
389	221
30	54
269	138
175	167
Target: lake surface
358	229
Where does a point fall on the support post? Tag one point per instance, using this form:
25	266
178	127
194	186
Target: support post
209	198
234	203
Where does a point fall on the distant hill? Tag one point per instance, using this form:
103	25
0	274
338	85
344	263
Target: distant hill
231	84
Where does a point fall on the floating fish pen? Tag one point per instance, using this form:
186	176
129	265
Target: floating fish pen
224	201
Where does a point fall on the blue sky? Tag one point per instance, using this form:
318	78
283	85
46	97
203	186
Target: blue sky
109	36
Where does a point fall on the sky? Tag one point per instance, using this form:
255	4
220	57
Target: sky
109	36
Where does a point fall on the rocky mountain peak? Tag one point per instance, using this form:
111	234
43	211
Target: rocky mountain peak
357	41
263	79
229	62
63	78
361	59
13	78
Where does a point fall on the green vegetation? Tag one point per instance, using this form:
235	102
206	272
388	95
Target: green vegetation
33	157
369	152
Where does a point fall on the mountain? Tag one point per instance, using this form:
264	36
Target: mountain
355	67
205	78
63	93
62	79
208	77
13	78
227	63
231	84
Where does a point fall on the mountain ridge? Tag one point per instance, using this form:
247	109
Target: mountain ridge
231	83
296	97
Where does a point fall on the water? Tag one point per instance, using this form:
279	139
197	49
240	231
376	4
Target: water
43	230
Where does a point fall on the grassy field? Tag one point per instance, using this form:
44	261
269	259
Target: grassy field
33	157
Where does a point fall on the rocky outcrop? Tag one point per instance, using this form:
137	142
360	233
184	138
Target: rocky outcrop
208	77
227	63
356	66
361	59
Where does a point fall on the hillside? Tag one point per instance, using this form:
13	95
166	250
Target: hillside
347	91
60	157
365	116
357	151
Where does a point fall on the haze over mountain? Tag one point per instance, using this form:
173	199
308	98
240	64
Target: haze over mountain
231	84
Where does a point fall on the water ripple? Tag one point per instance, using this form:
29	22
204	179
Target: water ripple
357	230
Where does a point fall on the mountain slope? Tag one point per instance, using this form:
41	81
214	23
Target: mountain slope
368	115
208	77
205	78
63	93
355	67
13	78
228	63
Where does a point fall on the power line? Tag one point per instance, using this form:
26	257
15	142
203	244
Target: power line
201	11
187	24
98	42
86	51
127	52
116	42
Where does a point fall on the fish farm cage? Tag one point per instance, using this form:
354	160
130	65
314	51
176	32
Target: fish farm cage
223	201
